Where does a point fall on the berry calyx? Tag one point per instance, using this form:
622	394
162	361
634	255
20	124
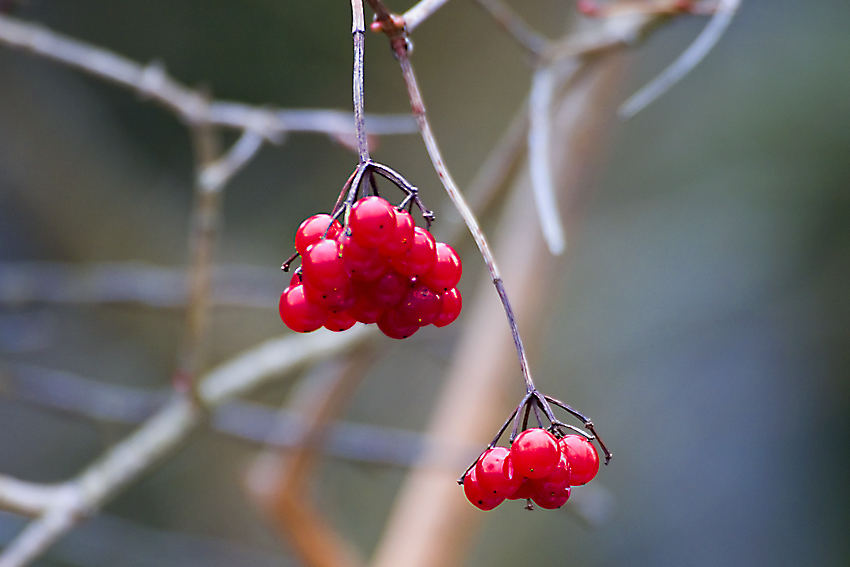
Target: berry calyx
535	453
582	456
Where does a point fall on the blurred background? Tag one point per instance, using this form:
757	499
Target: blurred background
701	316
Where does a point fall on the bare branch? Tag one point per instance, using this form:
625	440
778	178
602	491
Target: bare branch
163	432
129	282
510	21
420	12
191	106
685	63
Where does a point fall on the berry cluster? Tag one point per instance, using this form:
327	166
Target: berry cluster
538	466
381	268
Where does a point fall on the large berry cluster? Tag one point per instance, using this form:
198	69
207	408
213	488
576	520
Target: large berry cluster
381	268
538	466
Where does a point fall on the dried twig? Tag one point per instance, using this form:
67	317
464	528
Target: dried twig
420	12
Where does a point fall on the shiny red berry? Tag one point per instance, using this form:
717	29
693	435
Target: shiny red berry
322	266
339	321
553	490
372	221
446	271
392	325
365	310
420	306
298	313
335	299
313	229
535	453
361	263
476	495
389	289
582	456
524	491
450	306
495	472
421	256
402	237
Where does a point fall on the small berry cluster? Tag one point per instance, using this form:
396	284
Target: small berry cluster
381	268
538	466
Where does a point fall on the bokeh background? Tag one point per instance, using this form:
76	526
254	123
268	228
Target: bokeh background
702	317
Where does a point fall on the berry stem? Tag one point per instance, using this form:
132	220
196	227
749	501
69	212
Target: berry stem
588	424
400	46
358	33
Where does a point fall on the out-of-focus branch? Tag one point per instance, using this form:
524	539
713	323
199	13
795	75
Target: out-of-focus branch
164	431
154	286
189	105
83	398
420	12
687	60
515	26
281	484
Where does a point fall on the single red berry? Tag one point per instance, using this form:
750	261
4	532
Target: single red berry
322	265
446	271
495	472
393	326
339	321
421	256
450	306
389	289
582	456
402	237
535	453
313	229
476	495
553	491
336	299
420	306
372	221
298	313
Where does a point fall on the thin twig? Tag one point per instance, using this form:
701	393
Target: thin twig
152	82
164	431
515	26
358	34
420	12
685	63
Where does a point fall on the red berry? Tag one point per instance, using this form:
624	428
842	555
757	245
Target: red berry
313	229
421	256
337	299
365	310
322	265
420	306
535	453
495	472
393	326
553	491
389	289
402	237
372	221
450	306
478	497
298	313
524	491
339	321
582	456
446	271
361	263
